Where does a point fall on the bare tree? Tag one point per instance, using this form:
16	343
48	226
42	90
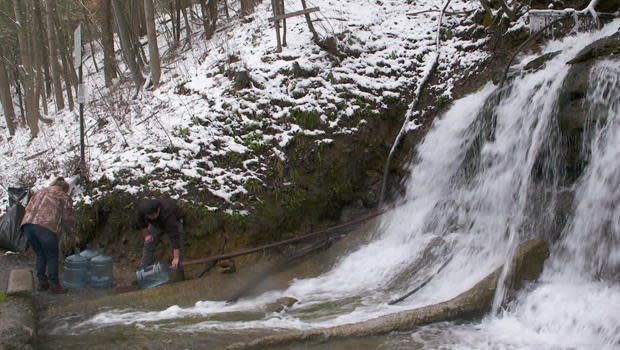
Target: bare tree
177	20
5	98
52	39
153	48
42	33
188	27
213	17
27	72
68	71
127	48
107	41
37	50
205	16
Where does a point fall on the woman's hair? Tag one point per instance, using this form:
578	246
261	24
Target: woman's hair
61	183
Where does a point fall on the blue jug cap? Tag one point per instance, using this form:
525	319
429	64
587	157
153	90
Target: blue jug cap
101	257
89	253
76	257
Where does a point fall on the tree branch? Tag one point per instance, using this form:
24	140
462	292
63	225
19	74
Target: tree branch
411	111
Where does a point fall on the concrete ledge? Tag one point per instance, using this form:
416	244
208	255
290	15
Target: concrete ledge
20	282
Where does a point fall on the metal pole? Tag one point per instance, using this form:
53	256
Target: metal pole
82	158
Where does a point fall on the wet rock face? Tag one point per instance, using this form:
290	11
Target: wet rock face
280	304
572	102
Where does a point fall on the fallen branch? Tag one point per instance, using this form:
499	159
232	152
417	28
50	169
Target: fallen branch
411	111
37	154
530	39
261	276
527	265
413	291
411	14
212	263
286	241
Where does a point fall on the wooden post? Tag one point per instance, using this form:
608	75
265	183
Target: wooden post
315	36
281	12
274	5
277	17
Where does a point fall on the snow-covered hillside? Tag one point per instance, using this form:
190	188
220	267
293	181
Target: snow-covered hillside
199	128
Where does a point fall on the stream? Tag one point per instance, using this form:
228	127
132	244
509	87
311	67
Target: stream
484	179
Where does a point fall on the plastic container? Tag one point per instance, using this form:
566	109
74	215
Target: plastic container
153	276
76	269
89	254
100	268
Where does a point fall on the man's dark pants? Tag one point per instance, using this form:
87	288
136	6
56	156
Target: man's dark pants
148	252
44	243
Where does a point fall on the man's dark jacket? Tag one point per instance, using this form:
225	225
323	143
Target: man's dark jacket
167	220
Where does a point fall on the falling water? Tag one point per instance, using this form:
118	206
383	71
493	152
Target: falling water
485	178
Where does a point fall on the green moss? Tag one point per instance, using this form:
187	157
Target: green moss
181	132
443	100
234	159
3	298
307	120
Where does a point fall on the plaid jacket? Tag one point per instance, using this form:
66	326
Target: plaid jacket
51	208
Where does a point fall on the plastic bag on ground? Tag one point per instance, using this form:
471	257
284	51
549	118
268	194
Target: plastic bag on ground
11	235
19	195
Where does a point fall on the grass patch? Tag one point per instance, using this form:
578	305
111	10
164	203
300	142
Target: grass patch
307	120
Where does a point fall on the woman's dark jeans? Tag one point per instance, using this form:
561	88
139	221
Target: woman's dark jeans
45	245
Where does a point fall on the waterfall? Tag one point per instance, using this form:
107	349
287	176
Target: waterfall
486	177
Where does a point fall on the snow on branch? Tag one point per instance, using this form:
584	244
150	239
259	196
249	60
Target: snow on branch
409	123
541	18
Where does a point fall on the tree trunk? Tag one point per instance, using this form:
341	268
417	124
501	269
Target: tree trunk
153	48
137	18
107	41
20	100
213	15
67	66
37	47
173	21
274	5
67	56
205	16
128	50
5	98
247	7
281	3
177	16
226	9
28	77
188	28
92	54
44	45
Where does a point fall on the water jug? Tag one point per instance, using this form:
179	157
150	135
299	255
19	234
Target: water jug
100	268
75	274
89	254
152	276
